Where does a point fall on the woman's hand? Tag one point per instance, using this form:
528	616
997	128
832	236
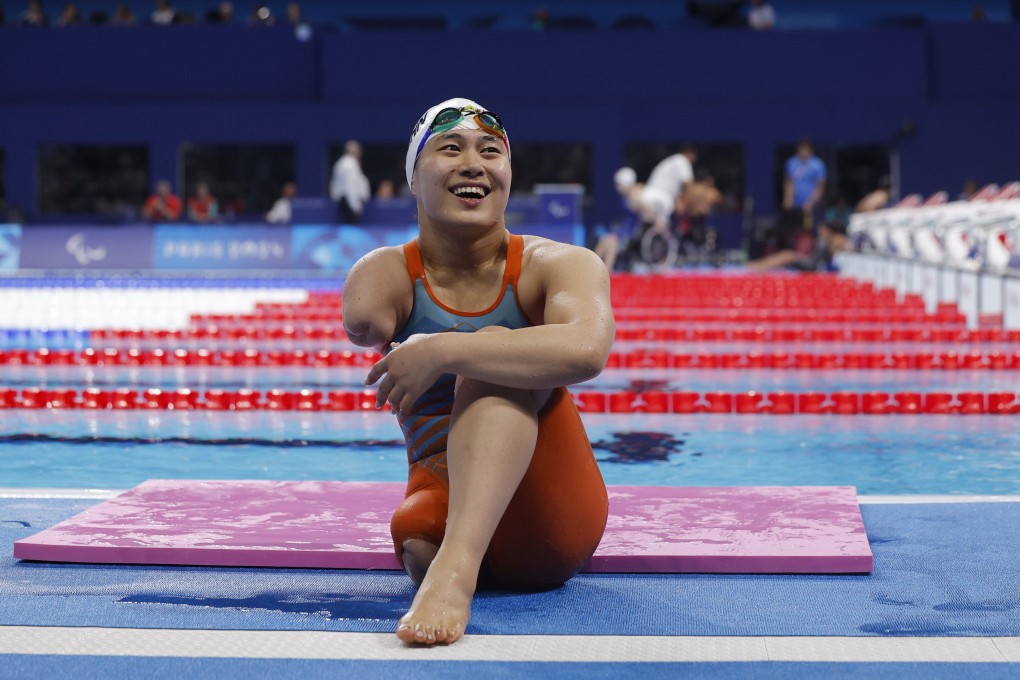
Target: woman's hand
411	368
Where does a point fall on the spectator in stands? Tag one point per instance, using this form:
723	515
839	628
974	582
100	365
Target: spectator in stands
385	191
294	14
163	205
34	15
70	16
261	15
123	16
803	187
203	207
539	19
761	16
880	198
223	14
164	14
283	208
349	187
970	188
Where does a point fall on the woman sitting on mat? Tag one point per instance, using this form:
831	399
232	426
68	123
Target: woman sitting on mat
503	489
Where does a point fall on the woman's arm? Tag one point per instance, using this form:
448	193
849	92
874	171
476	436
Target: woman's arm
571	346
376	297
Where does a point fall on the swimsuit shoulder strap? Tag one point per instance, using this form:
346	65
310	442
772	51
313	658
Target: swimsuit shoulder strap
415	268
511	271
514	258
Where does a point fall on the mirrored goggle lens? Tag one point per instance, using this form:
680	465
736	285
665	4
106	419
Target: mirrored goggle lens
446	119
490	122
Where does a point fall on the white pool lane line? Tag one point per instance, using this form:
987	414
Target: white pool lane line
234	644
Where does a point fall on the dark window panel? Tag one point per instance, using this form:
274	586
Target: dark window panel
109	180
244	178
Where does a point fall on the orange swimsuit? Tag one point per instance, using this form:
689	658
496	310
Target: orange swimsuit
556	518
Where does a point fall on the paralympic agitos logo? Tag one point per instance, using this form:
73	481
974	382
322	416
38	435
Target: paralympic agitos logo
81	253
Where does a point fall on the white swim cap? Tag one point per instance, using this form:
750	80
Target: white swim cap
421	129
624	178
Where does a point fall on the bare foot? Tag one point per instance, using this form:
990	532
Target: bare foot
442	606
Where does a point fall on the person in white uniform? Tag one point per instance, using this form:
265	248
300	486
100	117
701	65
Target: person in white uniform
349	187
656	200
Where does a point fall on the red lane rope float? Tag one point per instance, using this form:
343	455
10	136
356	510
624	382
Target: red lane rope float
691	333
948	360
626	402
156	358
795	334
892	315
775	316
642	358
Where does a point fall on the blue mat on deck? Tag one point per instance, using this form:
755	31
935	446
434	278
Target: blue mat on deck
947	569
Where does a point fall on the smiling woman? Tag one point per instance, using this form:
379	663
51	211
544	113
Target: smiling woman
503	487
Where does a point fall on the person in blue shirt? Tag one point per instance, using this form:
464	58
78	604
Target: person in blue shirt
804	182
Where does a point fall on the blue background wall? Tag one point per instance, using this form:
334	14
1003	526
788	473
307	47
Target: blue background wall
233	84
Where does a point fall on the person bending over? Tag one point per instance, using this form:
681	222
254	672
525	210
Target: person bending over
657	200
482	330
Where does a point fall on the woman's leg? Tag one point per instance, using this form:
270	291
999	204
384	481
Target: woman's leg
492	438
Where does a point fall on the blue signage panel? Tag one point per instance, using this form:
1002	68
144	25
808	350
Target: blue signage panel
564	233
10	246
336	249
238	246
124	246
321	247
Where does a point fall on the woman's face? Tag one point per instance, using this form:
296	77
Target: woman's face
463	176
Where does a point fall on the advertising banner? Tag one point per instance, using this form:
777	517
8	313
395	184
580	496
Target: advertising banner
321	247
335	249
238	246
90	246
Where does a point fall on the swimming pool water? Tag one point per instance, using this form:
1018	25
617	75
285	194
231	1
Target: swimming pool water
901	454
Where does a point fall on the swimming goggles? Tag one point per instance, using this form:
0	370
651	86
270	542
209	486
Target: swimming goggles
447	119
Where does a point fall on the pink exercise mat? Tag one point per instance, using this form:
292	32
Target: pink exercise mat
345	525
